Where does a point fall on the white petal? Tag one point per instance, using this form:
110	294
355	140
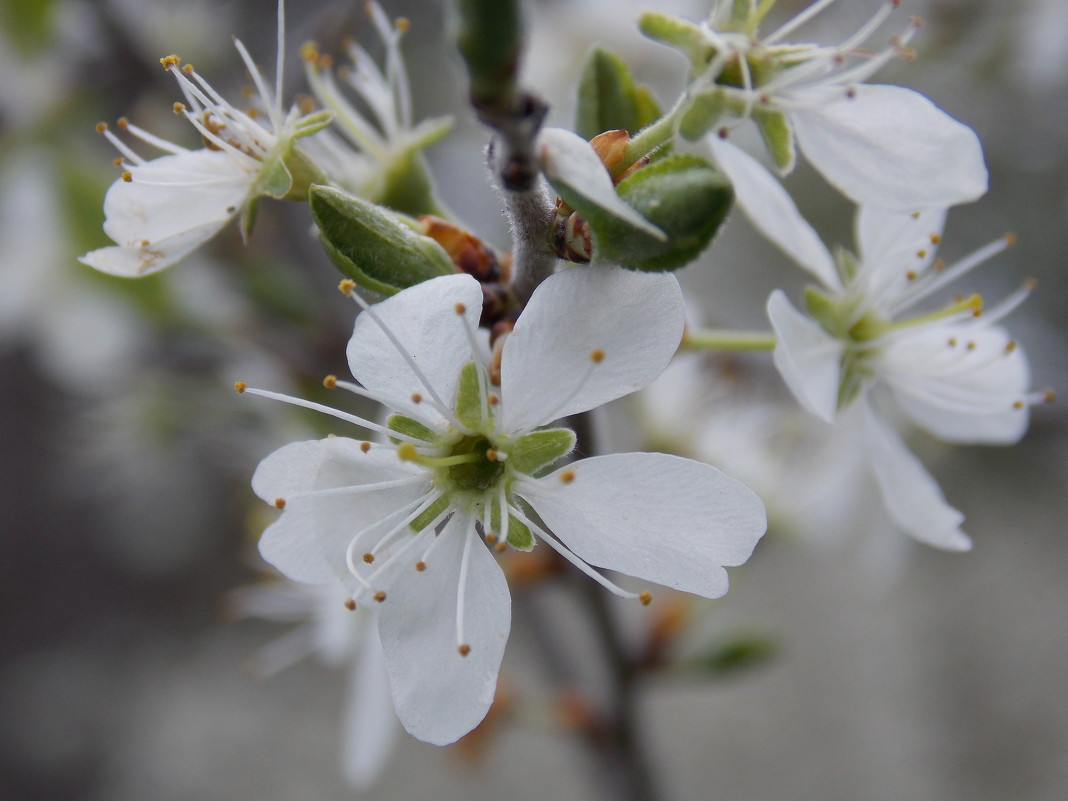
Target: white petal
173	204
658	517
772	211
370	726
964	392
892	147
308	541
911	495
439	694
635	318
424	321
807	357
569	159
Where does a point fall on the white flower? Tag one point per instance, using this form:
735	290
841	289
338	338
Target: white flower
400	523
337	637
163	208
877	144
377	154
954	372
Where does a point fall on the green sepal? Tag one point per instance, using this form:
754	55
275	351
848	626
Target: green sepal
519	534
248	217
536	450
825	311
741	12
684	196
410	428
680	34
427	517
469	397
778	136
274	179
706	108
608	99
372	246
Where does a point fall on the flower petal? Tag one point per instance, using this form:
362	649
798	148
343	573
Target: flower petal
307	543
966	391
439	694
892	147
370	726
570	160
807	357
911	495
171	205
424	321
635	319
658	517
772	212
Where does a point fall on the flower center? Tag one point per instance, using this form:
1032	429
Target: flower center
479	474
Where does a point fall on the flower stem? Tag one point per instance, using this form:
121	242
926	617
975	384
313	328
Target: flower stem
721	339
651	136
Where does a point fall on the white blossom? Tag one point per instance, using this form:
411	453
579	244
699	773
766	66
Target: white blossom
161	209
877	144
400	523
954	372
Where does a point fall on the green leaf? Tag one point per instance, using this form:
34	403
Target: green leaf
684	196
411	428
372	246
608	99
778	136
733	654
535	450
490	38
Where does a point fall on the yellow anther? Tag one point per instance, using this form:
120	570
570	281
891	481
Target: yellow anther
1010	239
326	61
935	239
417	398
500	547
118	161
330	382
365	446
179	108
346	286
915	215
1030	284
170	61
101	127
309	51
240	386
491	537
403	24
1010	346
597	356
493	399
970	346
420	566
911	275
464	649
279	503
1018	404
1049	396
567	476
921	254
953	342
406	452
491	454
379	596
188	69
939	265
350	604
460	308
369	558
127	176
123	123
645	597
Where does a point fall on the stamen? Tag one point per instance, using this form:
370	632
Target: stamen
461	589
279	503
557	546
350	604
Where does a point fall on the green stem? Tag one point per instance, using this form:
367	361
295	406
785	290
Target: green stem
721	339
652	135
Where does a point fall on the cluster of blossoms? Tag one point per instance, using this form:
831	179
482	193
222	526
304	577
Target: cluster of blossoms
477	357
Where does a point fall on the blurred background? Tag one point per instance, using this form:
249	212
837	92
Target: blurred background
127	669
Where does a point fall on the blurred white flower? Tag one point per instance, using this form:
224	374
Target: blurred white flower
375	152
877	144
953	372
472	459
338	637
162	209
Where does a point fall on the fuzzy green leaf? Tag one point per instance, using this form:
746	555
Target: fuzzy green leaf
535	450
608	99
